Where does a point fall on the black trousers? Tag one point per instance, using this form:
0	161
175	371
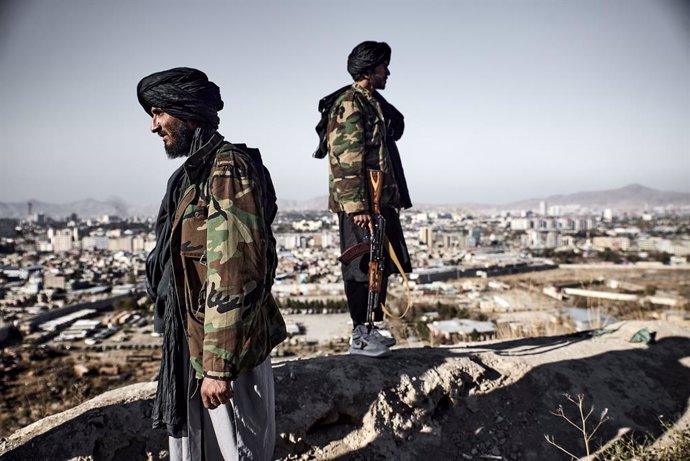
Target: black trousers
357	294
355	273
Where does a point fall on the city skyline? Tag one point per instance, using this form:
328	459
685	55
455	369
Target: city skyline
504	101
630	197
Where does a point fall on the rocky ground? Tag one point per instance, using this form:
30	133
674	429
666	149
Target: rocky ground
461	402
489	402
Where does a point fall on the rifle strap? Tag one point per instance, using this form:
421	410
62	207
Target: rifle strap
396	261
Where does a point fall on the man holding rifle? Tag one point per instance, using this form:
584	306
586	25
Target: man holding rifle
367	188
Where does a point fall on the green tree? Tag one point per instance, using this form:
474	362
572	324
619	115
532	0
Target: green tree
650	290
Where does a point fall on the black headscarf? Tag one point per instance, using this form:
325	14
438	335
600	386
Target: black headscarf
365	56
182	92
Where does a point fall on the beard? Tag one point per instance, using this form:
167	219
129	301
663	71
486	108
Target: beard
181	136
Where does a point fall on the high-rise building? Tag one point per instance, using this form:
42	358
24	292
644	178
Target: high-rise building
61	240
473	238
326	239
123	243
138	243
552	240
426	236
94	242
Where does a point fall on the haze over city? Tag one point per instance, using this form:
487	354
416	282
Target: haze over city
503	100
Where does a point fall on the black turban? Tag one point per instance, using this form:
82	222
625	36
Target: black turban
183	93
365	56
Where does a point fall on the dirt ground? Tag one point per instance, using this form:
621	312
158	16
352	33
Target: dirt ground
497	401
476	401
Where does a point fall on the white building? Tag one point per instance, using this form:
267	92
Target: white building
613	243
94	242
120	244
62	240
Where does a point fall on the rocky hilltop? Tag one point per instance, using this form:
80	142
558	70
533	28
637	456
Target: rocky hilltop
475	401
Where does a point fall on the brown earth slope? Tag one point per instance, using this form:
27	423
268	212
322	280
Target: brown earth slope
487	401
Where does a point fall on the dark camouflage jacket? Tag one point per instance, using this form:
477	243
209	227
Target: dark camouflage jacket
357	142
224	260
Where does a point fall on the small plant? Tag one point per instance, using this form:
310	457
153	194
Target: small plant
587	431
644	448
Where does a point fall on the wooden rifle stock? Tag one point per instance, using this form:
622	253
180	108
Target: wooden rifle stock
355	251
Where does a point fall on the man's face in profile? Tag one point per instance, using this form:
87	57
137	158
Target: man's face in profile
177	134
379	76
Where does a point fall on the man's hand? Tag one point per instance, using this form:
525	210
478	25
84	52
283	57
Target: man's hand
364	220
215	393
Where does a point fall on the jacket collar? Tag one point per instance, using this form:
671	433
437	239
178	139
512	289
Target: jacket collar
364	91
370	96
193	168
193	164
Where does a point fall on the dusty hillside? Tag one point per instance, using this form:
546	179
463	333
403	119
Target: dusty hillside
488	402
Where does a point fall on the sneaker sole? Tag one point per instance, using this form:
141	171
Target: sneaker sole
369	353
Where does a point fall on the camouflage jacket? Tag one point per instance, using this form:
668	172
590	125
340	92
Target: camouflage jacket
356	140
224	260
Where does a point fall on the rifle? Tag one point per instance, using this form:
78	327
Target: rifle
374	245
377	260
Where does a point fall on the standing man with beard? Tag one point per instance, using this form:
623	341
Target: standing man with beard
361	129
210	276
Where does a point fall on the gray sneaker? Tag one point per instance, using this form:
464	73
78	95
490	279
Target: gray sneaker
364	344
384	338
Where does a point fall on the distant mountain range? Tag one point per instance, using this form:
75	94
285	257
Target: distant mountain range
316	203
628	197
88	208
634	196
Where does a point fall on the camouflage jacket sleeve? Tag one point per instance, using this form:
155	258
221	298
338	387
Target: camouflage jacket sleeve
236	258
346	142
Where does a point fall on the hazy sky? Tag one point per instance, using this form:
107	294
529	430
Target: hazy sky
503	100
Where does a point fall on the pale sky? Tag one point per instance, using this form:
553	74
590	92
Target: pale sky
503	100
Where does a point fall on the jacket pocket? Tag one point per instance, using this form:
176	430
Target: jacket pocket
193	233
193	255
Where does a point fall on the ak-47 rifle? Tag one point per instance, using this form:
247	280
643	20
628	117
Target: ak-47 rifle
377	260
374	245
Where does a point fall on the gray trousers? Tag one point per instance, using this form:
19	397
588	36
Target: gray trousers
242	429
